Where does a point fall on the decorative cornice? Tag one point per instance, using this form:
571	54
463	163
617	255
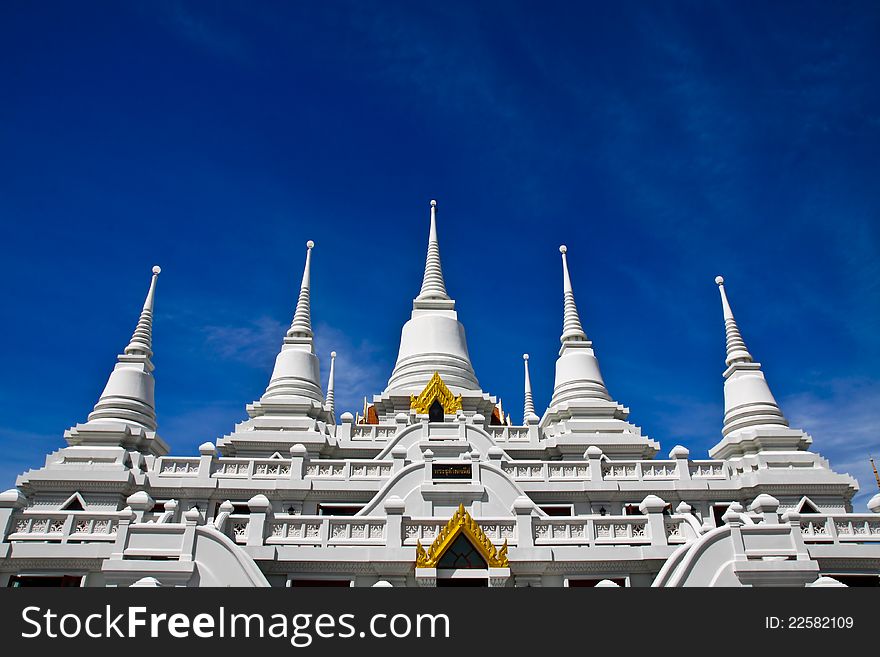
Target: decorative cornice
461	522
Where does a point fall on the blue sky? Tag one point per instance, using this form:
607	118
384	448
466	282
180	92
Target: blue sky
664	143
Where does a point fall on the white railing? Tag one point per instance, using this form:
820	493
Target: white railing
592	530
707	470
508	434
348	469
547	470
324	530
244	468
177	467
841	528
64	527
639	470
425	530
373	431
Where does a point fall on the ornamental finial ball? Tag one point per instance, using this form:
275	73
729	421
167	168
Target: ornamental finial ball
157	269
719	280
525	356
310	244
433	203
563	248
332	354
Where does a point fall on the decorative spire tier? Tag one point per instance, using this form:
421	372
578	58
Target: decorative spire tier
301	326
433	340
528	401
331	388
433	285
125	414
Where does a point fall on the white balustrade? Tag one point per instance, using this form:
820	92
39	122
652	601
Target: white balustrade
66	527
373	432
707	470
592	530
177	467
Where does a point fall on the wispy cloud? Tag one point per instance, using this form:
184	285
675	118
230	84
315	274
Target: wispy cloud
844	421
199	29
361	368
252	343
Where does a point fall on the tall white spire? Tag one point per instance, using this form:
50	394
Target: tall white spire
296	373
571	324
142	339
748	402
577	370
293	410
433	286
581	409
331	386
433	340
128	397
736	346
301	327
528	401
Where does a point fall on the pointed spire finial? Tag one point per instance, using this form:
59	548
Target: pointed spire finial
433	285
302	318
529	403
128	397
736	346
141	343
331	385
571	326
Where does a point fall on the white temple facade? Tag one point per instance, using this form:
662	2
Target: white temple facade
433	484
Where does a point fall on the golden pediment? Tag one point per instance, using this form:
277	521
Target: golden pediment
461	522
436	390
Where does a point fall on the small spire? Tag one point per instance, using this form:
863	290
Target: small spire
302	319
571	326
736	346
141	343
433	286
529	403
331	380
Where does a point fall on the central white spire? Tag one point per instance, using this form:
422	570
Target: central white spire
433	340
571	322
301	327
433	285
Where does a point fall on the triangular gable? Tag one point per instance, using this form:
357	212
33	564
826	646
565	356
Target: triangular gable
436	390
806	505
74	503
460	523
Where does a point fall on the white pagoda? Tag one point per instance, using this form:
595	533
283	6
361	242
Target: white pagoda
432	484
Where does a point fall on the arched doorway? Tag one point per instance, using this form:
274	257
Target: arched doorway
435	412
